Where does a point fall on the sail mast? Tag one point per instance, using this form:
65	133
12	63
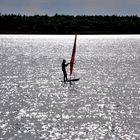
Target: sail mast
73	56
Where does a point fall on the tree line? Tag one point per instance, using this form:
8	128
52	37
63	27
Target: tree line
69	24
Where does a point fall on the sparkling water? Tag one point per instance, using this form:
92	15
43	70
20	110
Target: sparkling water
36	105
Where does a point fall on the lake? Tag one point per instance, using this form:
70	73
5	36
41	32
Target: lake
36	105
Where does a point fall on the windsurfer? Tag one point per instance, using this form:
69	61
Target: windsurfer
64	65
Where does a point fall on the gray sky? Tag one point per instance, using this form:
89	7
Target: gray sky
71	7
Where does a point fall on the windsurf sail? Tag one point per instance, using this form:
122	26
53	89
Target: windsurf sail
73	56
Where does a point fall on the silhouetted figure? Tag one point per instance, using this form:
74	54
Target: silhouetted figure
64	65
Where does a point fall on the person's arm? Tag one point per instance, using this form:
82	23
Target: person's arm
67	64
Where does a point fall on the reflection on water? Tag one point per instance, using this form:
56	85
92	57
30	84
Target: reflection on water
36	105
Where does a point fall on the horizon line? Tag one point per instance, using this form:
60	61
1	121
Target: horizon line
57	14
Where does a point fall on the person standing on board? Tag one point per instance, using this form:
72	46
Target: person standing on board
64	65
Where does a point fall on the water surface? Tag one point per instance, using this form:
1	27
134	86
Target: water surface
36	105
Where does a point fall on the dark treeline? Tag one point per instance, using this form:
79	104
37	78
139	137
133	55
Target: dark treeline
66	24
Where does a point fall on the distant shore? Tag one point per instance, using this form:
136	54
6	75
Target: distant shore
66	24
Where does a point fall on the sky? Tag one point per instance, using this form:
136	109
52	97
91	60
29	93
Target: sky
70	7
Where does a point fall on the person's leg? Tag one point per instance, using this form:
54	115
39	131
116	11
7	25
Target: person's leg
65	76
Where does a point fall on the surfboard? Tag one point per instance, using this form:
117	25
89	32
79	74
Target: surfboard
72	80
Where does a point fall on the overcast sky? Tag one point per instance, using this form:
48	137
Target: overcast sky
71	7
